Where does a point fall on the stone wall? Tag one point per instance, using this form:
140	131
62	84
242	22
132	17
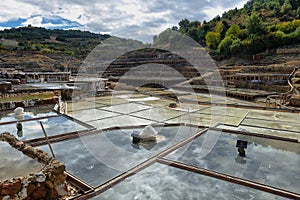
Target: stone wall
5	86
295	101
49	183
31	103
258	86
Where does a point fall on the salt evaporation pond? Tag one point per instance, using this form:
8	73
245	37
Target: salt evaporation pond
30	113
160	182
14	163
53	124
98	158
271	162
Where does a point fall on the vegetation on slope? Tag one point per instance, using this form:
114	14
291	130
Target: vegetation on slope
259	25
72	42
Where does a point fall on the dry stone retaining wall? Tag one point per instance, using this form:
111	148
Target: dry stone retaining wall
49	183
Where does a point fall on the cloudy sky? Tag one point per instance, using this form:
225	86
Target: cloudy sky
138	19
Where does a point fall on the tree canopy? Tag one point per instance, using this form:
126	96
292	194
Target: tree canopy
258	26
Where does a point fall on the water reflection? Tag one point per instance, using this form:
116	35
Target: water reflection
262	163
146	145
240	160
31	129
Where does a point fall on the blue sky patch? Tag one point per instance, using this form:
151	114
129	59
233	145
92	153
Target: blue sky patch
13	23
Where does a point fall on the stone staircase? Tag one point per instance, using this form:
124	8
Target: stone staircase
295	80
287	98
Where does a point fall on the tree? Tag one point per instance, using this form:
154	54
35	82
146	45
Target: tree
294	37
249	6
205	26
234	31
256	6
213	39
175	28
276	39
254	25
195	24
236	47
298	13
221	28
193	33
286	7
288	27
202	34
274	6
184	25
224	46
254	44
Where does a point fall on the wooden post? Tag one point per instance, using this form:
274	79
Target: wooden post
47	140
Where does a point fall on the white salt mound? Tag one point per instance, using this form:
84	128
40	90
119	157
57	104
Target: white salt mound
148	131
19	111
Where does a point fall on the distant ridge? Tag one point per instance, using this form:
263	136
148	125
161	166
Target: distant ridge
71	42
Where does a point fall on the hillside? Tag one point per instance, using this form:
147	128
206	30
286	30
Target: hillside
257	49
260	25
39	49
70	42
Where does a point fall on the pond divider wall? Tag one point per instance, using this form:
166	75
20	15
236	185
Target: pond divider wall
49	183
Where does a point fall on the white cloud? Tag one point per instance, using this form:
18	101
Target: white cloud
12	10
37	21
218	9
34	21
211	12
129	18
2	28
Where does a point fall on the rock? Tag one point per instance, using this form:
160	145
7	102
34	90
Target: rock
39	177
29	151
46	159
9	138
23	194
39	193
11	188
62	189
295	101
43	157
172	105
19	126
58	168
30	189
18	145
37	151
49	184
53	194
60	179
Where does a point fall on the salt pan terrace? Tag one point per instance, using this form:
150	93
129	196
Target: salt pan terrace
269	170
195	156
133	109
